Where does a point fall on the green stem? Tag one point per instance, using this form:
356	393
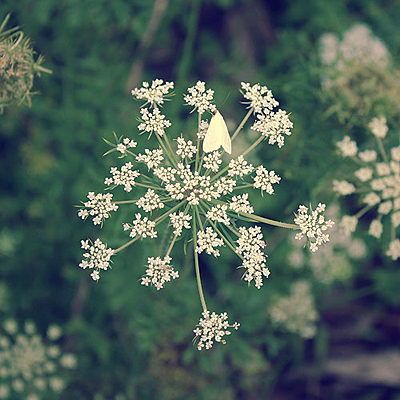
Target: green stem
363	211
170	154
148	186
243	186
268	221
126	244
382	150
125	201
42	69
196	262
239	128
171	245
255	144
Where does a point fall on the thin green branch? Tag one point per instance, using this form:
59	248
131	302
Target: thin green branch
196	261
256	218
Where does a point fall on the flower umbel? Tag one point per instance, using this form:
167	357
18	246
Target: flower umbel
32	366
313	225
212	327
195	197
377	177
97	257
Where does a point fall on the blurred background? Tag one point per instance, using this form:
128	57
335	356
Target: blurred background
326	328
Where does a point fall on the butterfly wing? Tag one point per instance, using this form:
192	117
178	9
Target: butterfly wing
217	135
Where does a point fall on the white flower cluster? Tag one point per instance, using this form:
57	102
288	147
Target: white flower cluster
379	182
296	313
239	167
331	263
125	177
208	240
212	161
158	272
218	214
141	227
180	221
271	125
153	94
99	206
358	45
31	367
241	204
125	144
264	179
249	246
150	201
153	122
200	98
198	195
212	327
358	77
195	187
152	158
97	257
313	226
186	149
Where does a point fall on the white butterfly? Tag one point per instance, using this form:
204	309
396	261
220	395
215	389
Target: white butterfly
217	135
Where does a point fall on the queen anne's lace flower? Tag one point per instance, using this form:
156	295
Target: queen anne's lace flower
394	249
264	179
239	167
152	158
250	245
212	327
180	221
203	128
97	257
141	227
125	144
296	313
218	214
378	127
348	224
191	192
208	240
155	93
32	366
273	126
313	226
241	204
185	148
159	271
153	122
359	45
200	98
347	147
379	183
212	161
150	201
99	206
125	177
343	187
259	97
357	76
331	263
